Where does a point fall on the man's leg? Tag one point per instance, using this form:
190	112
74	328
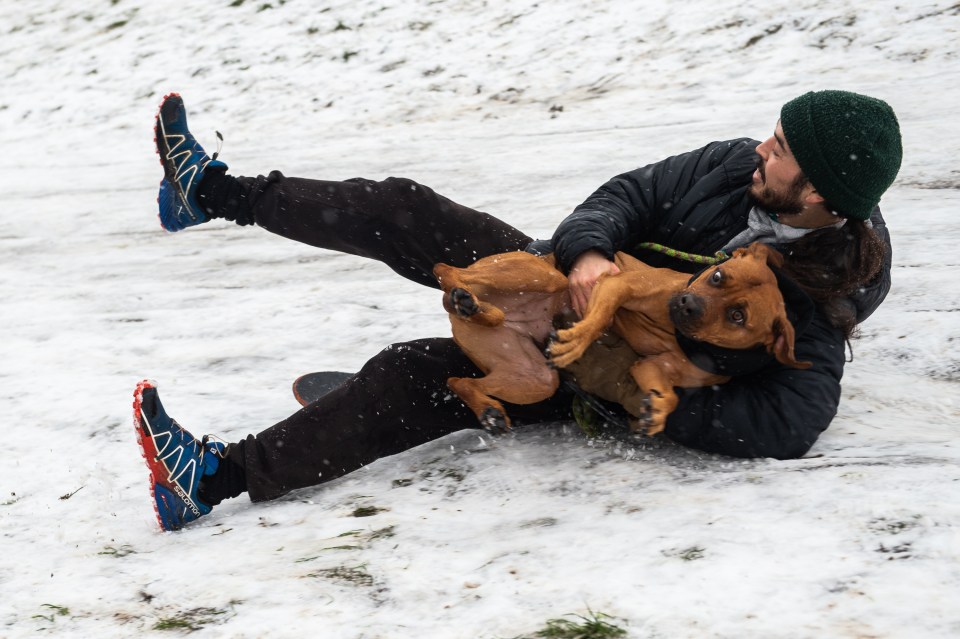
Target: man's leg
397	221
398	400
403	224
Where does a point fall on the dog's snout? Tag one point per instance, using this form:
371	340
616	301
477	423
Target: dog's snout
690	306
686	311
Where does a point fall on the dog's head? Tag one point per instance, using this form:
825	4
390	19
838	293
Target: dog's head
737	304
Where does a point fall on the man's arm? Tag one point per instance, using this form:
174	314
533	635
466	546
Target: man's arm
627	209
778	412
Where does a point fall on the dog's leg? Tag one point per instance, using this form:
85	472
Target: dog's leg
516	373
506	273
460	301
655	378
608	296
465	305
477	392
491	413
517	272
530	289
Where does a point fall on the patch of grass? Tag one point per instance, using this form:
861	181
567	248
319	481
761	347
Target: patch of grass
53	611
455	474
686	554
116	25
363	537
900	551
366	511
122	551
729	25
386	69
543	522
191	620
356	575
594	626
173	623
893	527
349	54
769	31
382	533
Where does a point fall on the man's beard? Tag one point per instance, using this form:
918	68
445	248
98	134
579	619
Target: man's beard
783	203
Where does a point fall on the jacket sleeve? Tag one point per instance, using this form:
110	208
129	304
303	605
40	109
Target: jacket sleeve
623	212
778	412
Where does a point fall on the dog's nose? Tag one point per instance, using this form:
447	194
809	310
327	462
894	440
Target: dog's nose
690	307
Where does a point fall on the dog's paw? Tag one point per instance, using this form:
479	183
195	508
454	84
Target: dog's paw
463	302
639	425
656	425
565	348
656	415
494	421
643	420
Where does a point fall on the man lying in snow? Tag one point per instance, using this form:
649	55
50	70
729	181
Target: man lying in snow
811	190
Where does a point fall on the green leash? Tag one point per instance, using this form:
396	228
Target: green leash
718	257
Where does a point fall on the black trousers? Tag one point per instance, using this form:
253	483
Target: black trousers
399	399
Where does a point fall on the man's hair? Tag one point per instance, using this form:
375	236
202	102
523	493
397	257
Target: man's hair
831	263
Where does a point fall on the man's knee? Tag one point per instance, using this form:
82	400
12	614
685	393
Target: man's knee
395	363
395	187
413	195
420	361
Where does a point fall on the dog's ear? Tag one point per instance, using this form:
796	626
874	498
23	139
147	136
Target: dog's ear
765	252
782	344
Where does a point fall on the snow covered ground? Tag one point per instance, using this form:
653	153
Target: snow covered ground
519	108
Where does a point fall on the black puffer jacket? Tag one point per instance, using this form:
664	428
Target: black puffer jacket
697	202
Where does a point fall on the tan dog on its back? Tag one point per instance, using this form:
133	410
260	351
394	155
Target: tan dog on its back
502	309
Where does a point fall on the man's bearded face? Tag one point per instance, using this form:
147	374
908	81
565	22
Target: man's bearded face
785	200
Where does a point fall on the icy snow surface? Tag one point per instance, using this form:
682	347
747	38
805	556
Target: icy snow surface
476	537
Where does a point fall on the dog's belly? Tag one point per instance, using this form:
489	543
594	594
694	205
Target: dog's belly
530	314
645	335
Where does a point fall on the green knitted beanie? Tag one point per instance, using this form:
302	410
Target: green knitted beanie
847	144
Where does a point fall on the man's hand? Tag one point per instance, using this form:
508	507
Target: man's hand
586	270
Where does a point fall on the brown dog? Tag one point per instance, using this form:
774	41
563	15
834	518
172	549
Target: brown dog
502	308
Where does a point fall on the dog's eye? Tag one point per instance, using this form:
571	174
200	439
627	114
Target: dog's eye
737	316
717	277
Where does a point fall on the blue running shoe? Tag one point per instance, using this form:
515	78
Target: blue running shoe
184	162
176	459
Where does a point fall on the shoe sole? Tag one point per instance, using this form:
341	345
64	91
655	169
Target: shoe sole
170	169
158	139
147	449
